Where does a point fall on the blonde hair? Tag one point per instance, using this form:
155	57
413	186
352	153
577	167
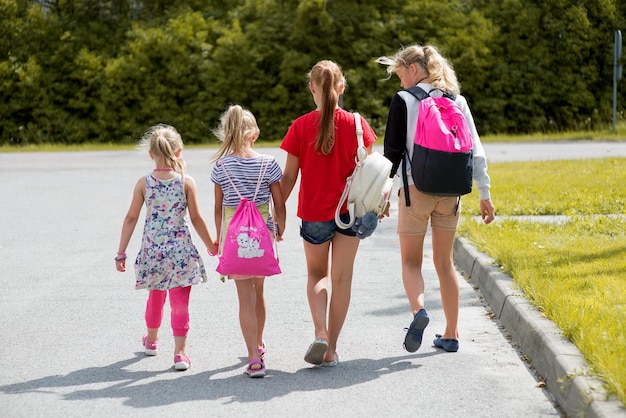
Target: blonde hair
237	125
439	70
327	75
164	141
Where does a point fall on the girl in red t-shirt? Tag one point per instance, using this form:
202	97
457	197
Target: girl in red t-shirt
321	145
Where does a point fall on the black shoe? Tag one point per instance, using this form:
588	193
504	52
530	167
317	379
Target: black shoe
415	331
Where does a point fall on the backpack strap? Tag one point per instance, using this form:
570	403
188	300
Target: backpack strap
262	171
418	92
443	93
221	164
405	180
361	151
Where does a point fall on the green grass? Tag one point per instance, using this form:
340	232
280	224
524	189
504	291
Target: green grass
574	271
557	187
599	135
607	134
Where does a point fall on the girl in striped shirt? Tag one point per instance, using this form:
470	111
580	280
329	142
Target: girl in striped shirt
236	159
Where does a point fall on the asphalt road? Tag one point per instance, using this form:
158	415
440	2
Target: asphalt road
70	334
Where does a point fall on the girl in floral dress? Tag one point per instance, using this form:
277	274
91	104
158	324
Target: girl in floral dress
168	261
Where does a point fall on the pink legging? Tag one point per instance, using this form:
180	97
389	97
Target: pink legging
179	304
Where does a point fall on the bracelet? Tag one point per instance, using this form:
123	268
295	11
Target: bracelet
120	259
121	253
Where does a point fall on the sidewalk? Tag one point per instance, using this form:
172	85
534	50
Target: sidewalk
72	328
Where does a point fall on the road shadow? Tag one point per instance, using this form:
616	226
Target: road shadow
140	390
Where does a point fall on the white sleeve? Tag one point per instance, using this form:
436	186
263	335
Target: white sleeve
483	182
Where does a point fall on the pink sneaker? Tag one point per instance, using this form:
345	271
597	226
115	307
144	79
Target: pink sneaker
150	347
181	362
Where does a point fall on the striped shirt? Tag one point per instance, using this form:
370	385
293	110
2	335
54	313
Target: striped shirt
244	173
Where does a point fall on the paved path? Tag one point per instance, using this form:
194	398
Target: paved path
72	324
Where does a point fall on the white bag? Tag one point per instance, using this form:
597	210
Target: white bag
368	189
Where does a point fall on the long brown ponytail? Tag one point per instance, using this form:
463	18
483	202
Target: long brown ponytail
327	75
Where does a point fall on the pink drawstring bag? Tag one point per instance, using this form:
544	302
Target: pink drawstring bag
246	248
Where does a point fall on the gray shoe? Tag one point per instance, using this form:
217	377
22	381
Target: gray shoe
315	353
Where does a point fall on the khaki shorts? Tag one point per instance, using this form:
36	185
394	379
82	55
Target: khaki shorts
443	212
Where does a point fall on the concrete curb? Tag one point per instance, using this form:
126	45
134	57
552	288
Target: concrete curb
556	359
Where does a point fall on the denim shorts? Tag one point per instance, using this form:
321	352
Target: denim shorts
320	232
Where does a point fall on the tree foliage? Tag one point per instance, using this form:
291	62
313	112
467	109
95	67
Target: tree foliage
73	71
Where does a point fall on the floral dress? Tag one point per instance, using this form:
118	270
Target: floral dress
167	258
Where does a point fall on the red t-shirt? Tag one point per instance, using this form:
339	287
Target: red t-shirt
323	177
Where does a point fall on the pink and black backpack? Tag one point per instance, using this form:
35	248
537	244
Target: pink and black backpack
441	164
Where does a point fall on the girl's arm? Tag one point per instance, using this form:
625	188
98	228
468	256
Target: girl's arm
197	220
290	175
280	211
130	220
395	132
217	210
479	159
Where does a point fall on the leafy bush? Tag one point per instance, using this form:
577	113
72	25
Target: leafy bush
80	71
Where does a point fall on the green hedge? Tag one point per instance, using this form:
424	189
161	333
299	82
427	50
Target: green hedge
75	71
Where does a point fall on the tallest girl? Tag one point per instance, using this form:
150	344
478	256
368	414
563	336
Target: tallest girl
425	67
321	145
